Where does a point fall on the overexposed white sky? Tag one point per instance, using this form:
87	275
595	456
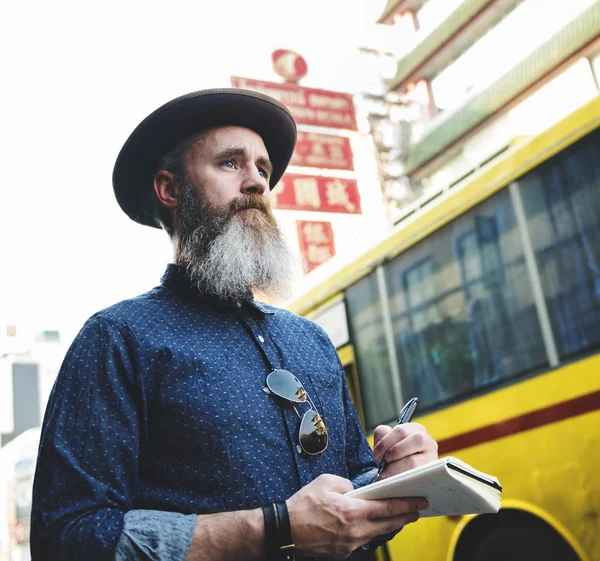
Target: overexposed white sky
77	77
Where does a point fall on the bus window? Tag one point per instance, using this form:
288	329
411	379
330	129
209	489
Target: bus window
367	331
462	306
562	204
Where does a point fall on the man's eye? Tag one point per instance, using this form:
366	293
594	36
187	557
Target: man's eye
228	164
263	173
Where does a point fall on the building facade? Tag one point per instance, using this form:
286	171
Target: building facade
479	78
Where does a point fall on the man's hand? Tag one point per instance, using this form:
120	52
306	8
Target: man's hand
325	523
404	447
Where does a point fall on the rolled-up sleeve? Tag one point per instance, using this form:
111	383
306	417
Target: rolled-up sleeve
153	535
88	457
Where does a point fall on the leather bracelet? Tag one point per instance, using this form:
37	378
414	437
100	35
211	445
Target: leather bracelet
271	532
286	545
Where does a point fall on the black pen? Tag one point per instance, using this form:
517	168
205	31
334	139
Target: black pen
404	417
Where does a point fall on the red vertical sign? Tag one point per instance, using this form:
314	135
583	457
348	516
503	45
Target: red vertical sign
316	242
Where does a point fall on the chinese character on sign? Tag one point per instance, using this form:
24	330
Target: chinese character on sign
318	149
314	232
336	153
316	242
306	192
317	254
338	195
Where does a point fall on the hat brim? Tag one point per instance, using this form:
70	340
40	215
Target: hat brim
158	133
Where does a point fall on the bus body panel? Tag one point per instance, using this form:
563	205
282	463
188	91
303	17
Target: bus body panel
557	462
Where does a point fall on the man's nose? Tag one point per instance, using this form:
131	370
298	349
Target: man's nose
254	183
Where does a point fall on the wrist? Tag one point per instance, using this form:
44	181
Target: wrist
279	545
228	536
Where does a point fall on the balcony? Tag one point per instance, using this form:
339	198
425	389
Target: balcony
565	44
468	23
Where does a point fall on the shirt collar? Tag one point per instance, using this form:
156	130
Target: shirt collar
176	278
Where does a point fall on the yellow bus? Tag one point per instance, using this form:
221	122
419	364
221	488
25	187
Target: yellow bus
485	303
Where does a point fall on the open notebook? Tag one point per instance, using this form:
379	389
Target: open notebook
450	485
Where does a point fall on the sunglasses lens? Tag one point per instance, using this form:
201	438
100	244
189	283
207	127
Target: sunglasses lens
284	384
313	434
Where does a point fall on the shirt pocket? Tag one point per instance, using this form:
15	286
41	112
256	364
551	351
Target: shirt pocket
330	405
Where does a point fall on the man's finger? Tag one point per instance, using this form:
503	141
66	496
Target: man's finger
390	508
380	432
393	436
415	443
384	526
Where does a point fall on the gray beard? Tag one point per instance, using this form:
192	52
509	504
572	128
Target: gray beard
229	252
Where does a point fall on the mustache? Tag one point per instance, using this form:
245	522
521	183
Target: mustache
247	202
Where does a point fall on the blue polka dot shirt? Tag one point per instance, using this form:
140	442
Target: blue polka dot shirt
159	409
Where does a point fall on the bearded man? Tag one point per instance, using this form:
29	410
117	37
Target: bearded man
194	422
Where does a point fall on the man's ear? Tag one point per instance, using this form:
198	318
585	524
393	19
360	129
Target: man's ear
166	188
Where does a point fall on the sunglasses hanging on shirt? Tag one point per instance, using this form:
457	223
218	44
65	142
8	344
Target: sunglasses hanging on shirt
313	434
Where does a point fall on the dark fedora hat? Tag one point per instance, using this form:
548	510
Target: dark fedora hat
189	114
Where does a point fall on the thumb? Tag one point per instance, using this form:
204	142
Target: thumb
335	483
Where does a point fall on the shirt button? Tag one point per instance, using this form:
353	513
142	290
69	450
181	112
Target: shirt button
261	338
238	304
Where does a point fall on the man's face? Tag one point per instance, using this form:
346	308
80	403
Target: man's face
226	235
229	162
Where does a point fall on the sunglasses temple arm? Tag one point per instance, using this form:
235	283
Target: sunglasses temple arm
312	405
